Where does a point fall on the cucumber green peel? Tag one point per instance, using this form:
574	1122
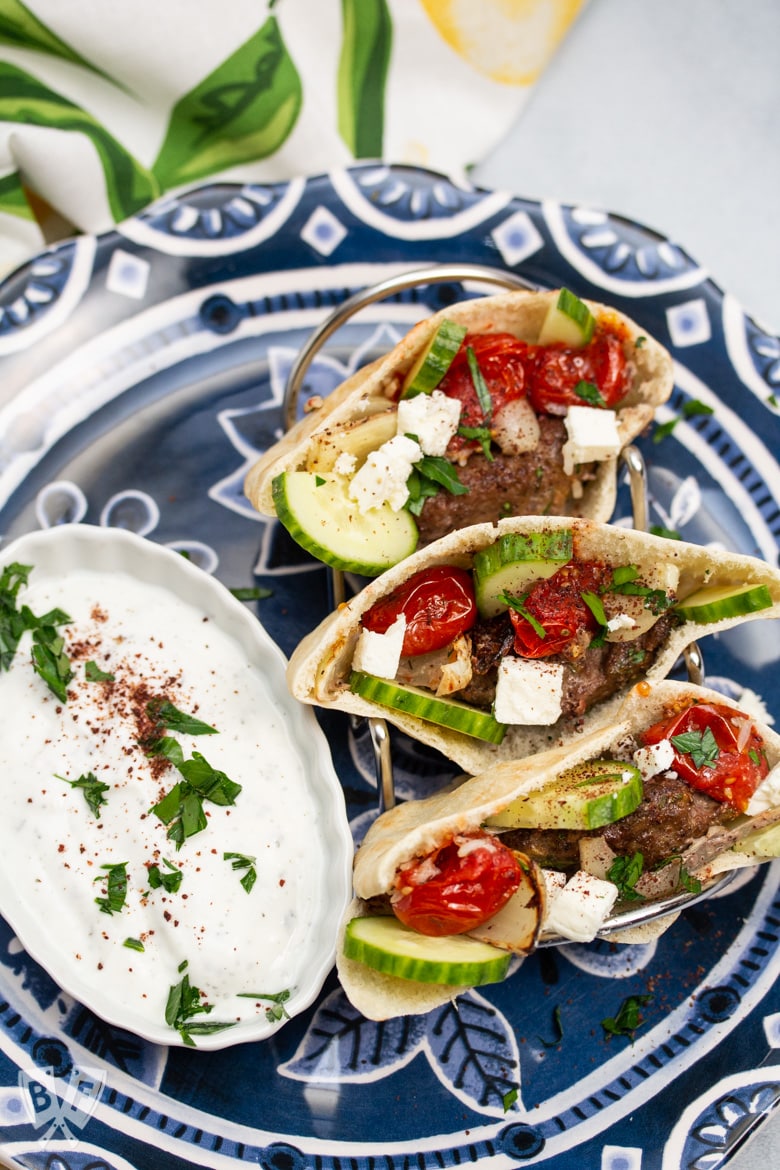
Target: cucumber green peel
424	705
713	603
320	516
437	357
587	796
568	322
386	945
516	561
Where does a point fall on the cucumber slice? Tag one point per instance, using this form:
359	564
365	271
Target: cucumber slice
318	513
514	562
584	797
763	843
386	945
568	322
425	705
435	360
727	601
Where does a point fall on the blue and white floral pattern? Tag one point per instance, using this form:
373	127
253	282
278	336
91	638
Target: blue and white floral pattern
143	405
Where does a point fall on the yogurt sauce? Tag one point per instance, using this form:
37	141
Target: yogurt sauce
232	941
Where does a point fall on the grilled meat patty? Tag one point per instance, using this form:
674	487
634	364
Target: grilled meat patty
671	816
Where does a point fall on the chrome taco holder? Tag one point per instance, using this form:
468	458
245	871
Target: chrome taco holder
636	471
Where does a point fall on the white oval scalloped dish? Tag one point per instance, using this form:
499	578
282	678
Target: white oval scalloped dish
157	622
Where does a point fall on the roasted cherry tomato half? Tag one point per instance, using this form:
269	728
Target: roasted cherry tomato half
713	751
502	360
458	887
554	612
557	371
438	604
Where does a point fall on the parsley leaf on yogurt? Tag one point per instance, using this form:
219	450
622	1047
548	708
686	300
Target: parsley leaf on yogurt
243	861
92	788
184	1002
116	881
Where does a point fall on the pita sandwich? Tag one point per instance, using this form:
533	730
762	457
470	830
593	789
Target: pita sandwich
677	851
654	597
541	435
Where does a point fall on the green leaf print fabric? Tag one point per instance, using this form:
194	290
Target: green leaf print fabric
106	106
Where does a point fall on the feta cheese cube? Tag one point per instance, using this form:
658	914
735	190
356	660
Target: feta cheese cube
345	464
654	758
528	691
580	909
380	654
382	478
432	418
593	436
554	882
621	621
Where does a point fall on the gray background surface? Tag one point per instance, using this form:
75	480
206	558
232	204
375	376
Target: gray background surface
668	113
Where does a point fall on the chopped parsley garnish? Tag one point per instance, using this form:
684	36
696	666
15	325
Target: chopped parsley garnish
558	1028
628	1018
509	1099
50	660
690	409
625	872
480	435
243	861
319	481
277	999
517	604
181	809
694	407
169	878
701	746
116	887
480	385
251	593
92	788
640	341
166	715
93	673
134	944
669	533
688	882
184	1002
664	429
590	393
685	880
441	471
595	605
428	476
13	622
624	581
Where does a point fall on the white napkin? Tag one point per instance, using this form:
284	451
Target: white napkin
106	106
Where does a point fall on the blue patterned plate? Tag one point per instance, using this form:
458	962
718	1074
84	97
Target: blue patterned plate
141	372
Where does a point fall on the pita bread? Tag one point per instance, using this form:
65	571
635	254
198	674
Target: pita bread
376	387
417	828
319	669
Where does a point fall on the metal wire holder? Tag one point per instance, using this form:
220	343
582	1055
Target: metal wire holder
631	457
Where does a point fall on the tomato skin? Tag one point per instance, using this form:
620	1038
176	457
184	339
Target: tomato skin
734	776
471	884
502	360
438	604
557	605
546	375
557	370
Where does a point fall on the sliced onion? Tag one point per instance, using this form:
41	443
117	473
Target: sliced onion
515	427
